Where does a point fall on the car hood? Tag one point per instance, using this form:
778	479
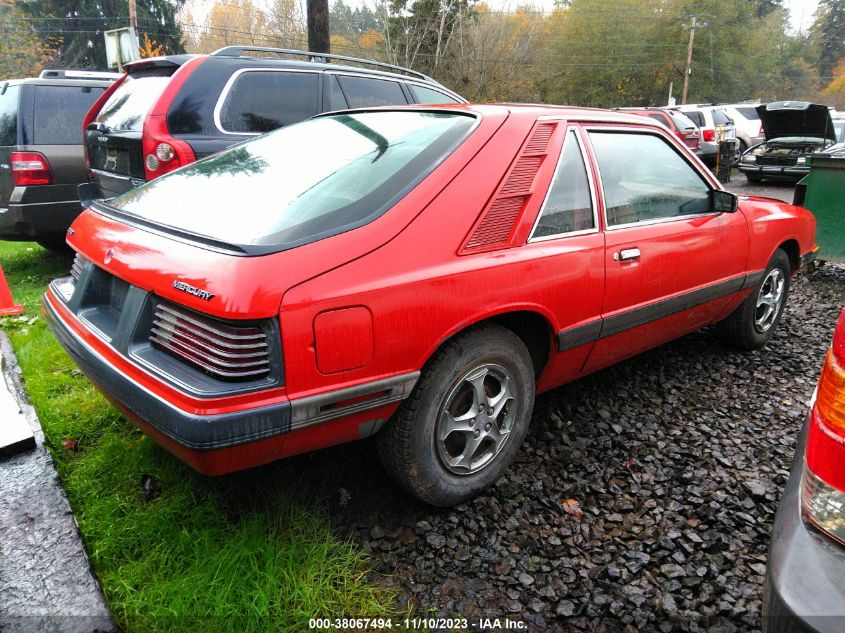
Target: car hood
796	118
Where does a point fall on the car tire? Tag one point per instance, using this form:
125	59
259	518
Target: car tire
438	445
752	324
753	179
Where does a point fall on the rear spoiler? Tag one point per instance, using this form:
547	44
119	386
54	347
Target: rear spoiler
171	61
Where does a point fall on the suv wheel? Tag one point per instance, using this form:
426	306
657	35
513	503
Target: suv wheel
464	422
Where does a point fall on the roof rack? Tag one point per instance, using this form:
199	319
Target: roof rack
79	74
237	51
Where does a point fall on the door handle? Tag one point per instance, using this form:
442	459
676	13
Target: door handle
627	254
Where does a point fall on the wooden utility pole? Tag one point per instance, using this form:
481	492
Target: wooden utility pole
694	25
318	26
133	14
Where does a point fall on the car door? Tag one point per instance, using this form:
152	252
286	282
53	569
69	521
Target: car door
671	261
566	248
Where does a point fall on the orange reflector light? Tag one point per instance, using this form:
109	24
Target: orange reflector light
830	401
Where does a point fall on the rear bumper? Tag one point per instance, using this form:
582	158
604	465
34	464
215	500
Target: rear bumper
37	220
190	430
805	582
217	443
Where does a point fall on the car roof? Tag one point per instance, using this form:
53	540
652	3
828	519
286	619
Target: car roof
404	74
530	110
56	81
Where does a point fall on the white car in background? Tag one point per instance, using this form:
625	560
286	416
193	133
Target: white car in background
714	122
749	128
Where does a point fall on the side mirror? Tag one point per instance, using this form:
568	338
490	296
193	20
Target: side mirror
723	201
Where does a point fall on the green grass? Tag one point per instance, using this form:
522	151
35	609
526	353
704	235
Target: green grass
239	553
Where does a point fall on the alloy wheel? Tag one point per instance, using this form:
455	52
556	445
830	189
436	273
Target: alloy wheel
769	300
476	420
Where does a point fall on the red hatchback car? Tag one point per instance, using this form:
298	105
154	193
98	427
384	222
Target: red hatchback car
416	272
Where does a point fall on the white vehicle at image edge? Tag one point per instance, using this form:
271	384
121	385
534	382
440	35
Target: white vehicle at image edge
749	129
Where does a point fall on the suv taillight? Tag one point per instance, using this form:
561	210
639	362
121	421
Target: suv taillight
823	482
30	168
708	135
162	152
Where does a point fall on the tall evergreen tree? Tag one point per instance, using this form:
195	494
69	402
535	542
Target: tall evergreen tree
80	25
829	32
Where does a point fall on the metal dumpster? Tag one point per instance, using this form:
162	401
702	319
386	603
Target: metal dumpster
822	191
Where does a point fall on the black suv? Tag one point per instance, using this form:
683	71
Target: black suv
170	111
41	156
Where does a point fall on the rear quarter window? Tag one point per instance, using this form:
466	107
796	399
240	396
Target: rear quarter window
59	111
362	92
749	113
263	100
9	116
128	105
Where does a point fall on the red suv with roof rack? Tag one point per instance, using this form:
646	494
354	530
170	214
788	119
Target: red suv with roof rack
413	273
167	112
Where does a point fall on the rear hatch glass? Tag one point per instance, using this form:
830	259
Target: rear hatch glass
682	121
113	140
129	104
301	183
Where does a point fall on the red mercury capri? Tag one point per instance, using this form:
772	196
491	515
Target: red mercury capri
419	273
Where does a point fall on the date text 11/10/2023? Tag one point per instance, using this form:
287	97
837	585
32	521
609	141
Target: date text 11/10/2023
424	624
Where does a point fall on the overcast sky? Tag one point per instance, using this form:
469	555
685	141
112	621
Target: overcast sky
800	11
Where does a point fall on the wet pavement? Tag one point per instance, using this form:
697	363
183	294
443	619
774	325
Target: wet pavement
46	583
770	189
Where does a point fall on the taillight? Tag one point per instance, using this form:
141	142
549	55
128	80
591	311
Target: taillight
225	351
708	135
762	131
823	482
30	168
162	152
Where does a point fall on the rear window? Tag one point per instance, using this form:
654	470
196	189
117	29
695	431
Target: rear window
720	117
9	116
696	116
362	92
749	113
428	95
127	107
262	100
681	120
59	111
347	170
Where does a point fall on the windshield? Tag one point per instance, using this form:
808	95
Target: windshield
839	130
128	105
304	182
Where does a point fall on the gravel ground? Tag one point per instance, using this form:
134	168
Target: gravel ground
642	499
676	460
